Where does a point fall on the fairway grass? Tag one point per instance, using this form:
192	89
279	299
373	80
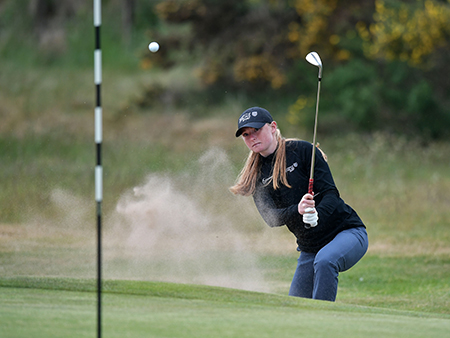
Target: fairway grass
49	307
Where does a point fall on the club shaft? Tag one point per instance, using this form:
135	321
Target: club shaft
313	157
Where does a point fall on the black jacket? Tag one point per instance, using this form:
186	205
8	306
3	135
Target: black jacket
280	207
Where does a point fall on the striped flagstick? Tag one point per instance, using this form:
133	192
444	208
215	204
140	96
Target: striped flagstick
98	167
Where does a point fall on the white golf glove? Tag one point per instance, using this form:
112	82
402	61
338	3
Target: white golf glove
310	218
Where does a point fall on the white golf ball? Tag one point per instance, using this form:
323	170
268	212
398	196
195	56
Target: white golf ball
153	46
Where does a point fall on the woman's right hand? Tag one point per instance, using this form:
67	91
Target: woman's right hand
306	202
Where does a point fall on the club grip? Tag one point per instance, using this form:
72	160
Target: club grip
310	186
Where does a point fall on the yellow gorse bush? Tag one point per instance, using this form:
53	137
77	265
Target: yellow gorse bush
315	14
258	67
407	33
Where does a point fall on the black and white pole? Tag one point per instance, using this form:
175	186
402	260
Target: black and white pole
98	166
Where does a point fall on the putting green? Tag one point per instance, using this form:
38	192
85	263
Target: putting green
172	310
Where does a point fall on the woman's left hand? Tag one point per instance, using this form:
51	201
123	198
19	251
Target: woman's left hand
311	217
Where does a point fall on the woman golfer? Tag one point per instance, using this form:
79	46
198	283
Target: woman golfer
330	235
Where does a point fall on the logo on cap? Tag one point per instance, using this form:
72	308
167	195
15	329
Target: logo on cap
246	117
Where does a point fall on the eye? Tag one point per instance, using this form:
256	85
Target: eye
250	132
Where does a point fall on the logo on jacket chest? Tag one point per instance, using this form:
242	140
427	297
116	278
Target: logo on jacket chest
288	170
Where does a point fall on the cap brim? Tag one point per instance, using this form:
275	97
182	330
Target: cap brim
257	125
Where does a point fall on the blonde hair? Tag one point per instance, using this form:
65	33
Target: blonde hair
246	181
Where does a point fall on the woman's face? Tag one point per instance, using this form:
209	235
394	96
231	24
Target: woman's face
263	140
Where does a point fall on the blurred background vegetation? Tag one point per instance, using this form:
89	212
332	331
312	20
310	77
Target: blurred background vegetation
385	62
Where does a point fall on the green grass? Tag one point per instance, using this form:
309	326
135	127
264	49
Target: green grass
61	307
410	283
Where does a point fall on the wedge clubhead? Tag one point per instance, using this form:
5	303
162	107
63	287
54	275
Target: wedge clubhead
314	59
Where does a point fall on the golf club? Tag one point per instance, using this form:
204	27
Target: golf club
314	59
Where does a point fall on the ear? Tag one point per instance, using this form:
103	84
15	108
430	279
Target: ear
273	126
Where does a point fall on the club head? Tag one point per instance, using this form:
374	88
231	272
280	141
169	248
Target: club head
314	59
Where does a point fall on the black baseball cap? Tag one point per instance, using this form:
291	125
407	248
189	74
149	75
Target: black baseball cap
255	117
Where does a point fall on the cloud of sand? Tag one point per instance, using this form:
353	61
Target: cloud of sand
184	228
180	229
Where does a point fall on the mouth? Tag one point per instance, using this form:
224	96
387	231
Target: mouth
256	144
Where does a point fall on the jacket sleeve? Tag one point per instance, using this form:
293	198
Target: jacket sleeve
327	205
326	194
273	216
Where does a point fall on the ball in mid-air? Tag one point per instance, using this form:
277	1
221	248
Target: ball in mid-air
153	47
